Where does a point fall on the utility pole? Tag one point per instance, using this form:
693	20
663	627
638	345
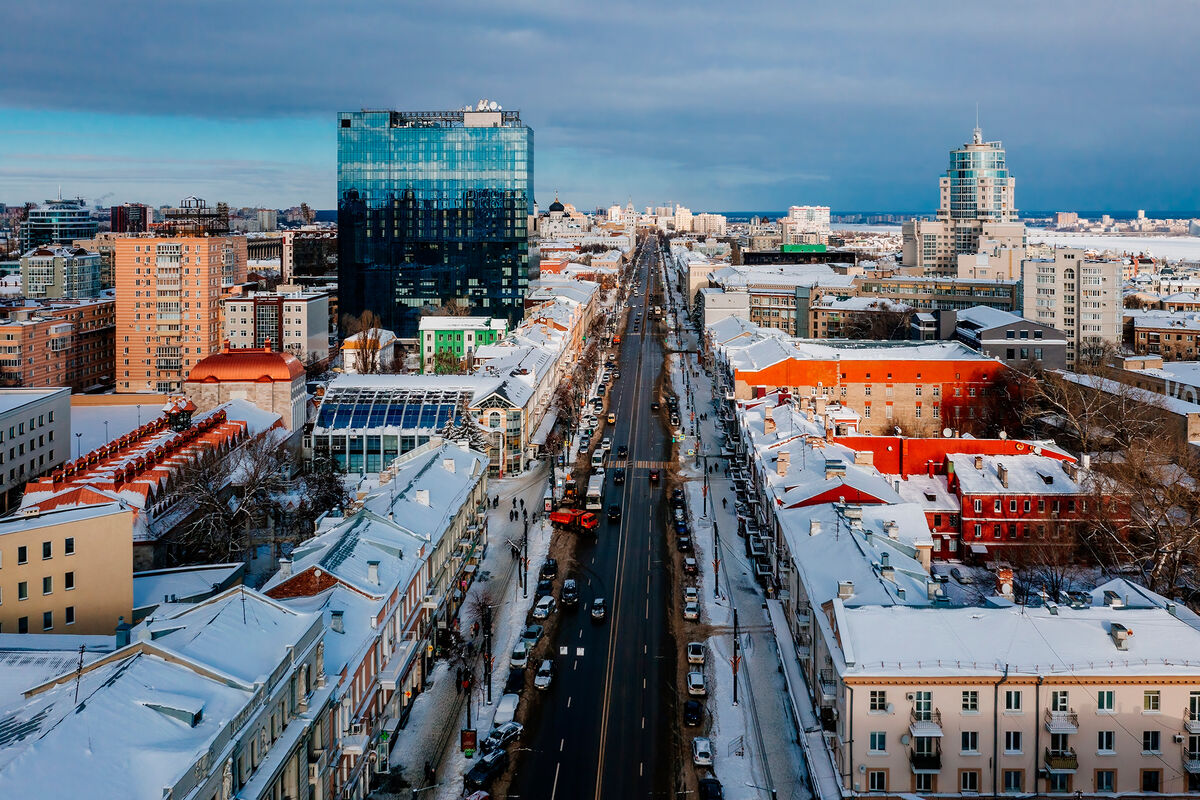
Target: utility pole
525	564
717	562
737	656
487	644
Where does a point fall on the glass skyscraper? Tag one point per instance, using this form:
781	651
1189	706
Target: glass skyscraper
433	207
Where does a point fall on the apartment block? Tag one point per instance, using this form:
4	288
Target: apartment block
60	343
289	320
67	571
53	273
169	291
458	336
35	428
1078	295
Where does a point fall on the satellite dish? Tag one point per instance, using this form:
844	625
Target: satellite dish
946	432
1003	434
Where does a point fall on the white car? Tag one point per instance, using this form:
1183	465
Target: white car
702	755
520	655
606	443
695	652
691	610
506	709
691	594
545	675
544	608
695	684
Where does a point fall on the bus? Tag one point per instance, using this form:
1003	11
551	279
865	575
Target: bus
595	494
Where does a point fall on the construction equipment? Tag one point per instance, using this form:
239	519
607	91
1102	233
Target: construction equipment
574	520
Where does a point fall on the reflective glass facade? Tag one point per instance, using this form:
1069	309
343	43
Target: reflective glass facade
433	207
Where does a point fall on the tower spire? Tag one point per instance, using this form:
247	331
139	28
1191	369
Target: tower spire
977	136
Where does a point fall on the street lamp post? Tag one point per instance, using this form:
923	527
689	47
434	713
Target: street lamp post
737	657
78	444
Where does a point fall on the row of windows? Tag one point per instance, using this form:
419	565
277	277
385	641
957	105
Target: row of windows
969	781
1060	700
47	551
47	586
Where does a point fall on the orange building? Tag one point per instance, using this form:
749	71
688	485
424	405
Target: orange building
169	291
60	343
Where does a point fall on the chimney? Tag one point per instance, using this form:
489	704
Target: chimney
448	465
931	589
891	529
978	462
373	573
335	621
814	527
122	633
285	567
1004	582
845	590
1120	635
820	404
768	424
865	458
925	554
423	496
782	462
1087	462
1002	474
888	573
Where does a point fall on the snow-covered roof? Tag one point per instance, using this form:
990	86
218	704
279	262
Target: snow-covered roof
1183	320
1025	474
931	492
986	317
150	588
779	276
448	323
860	304
1109	386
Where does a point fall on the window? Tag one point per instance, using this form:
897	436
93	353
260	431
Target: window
1012	742
968	780
1151	742
970	741
1104	700
23	590
1152	780
1060	701
47	585
47	620
69	581
70	615
996	506
978	506
1106	741
22	555
1106	780
1013	778
1058	782
924	783
878	742
877	780
878	701
1151	700
970	701
1010	354
69	546
47	550
23	625
1012	700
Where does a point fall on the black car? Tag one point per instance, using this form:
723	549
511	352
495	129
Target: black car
544	587
515	684
684	544
654	476
550	569
487	769
570	593
654	406
599	609
693	713
710	789
622	452
619	475
614	512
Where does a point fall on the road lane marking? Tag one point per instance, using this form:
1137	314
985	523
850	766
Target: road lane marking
561	742
568	702
554	788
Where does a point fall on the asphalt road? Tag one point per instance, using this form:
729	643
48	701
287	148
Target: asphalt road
603	728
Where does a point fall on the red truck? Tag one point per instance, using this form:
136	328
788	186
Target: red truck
574	520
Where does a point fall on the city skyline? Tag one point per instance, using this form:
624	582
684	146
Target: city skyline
851	110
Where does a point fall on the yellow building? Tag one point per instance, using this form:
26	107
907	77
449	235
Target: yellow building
66	571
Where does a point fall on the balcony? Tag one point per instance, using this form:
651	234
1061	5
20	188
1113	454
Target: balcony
1062	760
1191	720
1191	760
925	761
828	686
925	723
1062	721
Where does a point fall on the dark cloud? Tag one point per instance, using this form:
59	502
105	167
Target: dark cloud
718	105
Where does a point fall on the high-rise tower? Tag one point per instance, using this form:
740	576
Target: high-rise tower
433	208
976	203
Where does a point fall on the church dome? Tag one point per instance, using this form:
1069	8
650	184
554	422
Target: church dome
251	364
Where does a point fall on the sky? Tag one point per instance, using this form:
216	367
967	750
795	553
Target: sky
717	106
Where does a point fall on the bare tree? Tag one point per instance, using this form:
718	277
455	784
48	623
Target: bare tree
368	333
882	323
458	307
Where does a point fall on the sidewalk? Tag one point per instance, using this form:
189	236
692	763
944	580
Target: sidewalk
772	757
438	713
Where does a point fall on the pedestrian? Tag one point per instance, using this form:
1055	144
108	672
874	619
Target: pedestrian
522	502
514	502
525	514
457	690
724	502
430	775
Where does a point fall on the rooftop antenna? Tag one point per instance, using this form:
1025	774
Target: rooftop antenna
78	674
978	135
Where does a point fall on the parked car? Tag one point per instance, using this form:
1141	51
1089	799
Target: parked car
501	735
684	544
702	755
550	568
691	610
520	654
612	418
515	683
695	684
606	443
693	713
570	593
614	512
506	709
544	675
544	587
710	789
691	593
599	609
532	635
695	652
679	514
690	566
544	607
486	769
